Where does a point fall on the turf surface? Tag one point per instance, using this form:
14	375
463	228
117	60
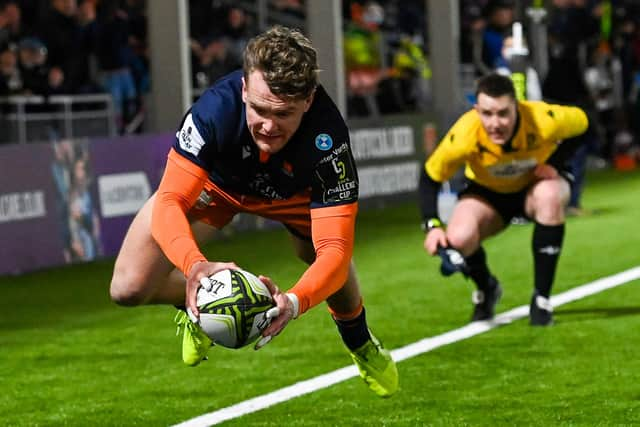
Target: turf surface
69	357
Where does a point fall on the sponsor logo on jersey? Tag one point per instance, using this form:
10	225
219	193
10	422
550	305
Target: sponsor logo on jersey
513	169
262	184
189	138
324	142
333	154
343	191
338	176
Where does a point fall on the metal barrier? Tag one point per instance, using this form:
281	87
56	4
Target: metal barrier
35	118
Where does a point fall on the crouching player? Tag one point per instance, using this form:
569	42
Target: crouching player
513	153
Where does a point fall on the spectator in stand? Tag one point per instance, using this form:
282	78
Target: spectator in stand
217	52
499	15
10	22
136	11
30	15
472	24
10	78
38	77
68	33
364	62
208	51
211	61
114	55
237	33
571	27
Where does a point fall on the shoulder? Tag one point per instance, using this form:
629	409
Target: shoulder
324	112
323	124
219	113
215	119
468	123
462	137
222	101
544	113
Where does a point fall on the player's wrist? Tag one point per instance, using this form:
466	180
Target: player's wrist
192	264
431	223
294	302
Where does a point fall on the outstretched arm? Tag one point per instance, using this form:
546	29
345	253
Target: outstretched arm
179	189
333	230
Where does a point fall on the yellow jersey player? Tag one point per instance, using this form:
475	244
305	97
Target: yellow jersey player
513	153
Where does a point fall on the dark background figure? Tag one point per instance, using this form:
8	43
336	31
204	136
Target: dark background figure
10	22
11	82
138	41
217	50
499	16
68	35
472	24
571	32
38	77
238	30
115	56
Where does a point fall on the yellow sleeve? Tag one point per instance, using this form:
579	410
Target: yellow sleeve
454	149
565	121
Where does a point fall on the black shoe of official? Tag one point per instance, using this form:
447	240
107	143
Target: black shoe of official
540	311
485	301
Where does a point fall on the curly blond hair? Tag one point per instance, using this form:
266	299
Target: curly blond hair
286	59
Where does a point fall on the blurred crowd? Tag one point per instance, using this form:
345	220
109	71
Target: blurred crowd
217	49
50	47
386	64
83	46
592	60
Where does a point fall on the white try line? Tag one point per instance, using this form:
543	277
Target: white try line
406	352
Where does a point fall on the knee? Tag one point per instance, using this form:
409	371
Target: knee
555	200
549	204
126	289
462	239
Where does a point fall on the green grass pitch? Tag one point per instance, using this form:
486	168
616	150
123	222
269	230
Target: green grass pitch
70	357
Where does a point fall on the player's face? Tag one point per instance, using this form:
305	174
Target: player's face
272	120
498	116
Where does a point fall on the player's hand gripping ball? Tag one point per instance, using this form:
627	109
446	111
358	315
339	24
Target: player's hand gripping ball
233	306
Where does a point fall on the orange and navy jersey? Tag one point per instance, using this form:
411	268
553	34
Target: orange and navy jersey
505	168
215	170
214	135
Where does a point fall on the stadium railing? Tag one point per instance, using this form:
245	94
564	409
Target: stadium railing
36	118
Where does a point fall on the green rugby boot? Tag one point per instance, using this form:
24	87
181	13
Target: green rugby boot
195	343
376	367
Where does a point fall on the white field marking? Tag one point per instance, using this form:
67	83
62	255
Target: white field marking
425	345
